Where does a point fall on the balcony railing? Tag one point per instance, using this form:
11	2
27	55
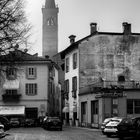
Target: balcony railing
110	86
116	84
11	98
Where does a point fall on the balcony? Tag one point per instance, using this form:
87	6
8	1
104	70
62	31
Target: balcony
11	98
110	87
125	85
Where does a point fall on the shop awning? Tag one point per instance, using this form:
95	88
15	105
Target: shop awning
11	84
12	110
65	109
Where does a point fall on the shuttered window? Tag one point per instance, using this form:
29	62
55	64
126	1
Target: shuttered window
74	60
31	73
74	86
31	89
67	65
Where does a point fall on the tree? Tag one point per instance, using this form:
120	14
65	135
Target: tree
14	28
14	32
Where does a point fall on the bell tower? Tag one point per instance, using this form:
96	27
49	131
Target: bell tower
50	29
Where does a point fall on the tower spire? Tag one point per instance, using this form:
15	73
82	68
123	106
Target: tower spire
50	4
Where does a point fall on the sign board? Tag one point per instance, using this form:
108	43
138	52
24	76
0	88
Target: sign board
12	110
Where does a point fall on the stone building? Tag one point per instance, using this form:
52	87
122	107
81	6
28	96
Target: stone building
50	37
28	84
50	29
108	75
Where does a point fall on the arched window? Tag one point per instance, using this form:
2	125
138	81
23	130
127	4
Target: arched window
121	78
50	21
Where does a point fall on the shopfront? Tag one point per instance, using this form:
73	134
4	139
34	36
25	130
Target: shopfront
94	108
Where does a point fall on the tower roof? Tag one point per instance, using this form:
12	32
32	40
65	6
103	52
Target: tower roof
50	4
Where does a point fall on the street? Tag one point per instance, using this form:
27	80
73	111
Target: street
68	133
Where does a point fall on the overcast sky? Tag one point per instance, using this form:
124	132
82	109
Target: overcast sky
75	17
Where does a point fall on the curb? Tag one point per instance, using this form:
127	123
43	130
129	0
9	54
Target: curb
86	128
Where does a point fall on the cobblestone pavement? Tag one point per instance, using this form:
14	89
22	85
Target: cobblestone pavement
68	133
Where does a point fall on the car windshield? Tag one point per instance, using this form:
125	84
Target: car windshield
115	121
107	120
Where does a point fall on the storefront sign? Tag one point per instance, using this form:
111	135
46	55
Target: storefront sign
111	95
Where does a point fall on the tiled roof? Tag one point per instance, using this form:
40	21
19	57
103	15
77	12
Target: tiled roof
20	56
75	44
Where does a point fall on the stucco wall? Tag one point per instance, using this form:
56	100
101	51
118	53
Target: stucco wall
42	87
72	72
107	56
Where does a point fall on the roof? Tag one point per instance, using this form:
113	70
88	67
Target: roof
50	4
75	44
20	56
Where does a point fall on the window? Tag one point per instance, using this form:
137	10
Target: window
31	72
94	111
50	21
11	92
83	111
94	107
130	106
11	73
67	64
115	106
74	86
137	106
121	78
66	88
52	73
133	106
74	60
31	89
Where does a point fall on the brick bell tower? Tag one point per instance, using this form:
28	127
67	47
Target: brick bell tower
50	29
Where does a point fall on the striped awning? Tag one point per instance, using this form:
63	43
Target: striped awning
11	84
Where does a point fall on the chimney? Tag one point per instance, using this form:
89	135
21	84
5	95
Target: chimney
126	28
72	39
93	28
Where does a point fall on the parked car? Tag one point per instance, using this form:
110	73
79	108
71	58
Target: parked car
14	122
52	123
129	127
2	133
5	122
104	124
111	126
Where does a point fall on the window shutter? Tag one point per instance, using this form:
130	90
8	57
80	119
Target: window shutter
27	72
26	89
35	72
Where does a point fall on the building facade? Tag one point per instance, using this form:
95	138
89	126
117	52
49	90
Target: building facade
50	37
50	29
26	85
108	75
